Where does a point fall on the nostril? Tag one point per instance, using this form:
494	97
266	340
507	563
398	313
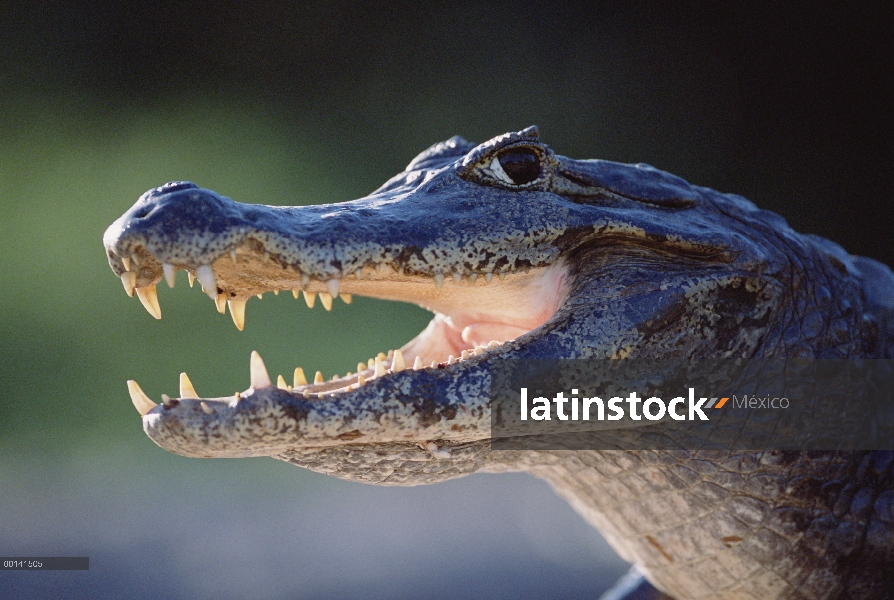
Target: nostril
176	186
142	212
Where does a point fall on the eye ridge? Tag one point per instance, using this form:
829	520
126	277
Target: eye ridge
522	165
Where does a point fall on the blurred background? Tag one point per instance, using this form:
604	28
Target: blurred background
311	102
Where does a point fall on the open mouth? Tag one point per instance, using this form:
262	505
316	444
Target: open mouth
475	312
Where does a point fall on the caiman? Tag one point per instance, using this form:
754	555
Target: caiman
522	253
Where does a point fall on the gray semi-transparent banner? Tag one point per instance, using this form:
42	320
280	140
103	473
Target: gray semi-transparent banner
735	404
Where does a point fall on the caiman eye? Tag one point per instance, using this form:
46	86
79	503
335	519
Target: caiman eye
518	165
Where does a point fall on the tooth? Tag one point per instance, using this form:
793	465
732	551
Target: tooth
221	303
295	294
135	259
170	272
359	274
488	277
370	363
381	356
166	400
125	260
378	267
361	380
140	400
335	377
501	275
465	354
332	285
397	363
186	389
276	292
434	364
266	257
281	383
493	344
439	280
457	277
318	377
129	279
417	364
479	349
472	278
233	255
326	301
237	396
305	279
450	360
191	277
361	367
205	275
346	298
149	297
205	408
260	296
380	367
258	372
310	299
237	311
299	378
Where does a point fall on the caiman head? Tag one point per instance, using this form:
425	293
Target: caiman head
518	252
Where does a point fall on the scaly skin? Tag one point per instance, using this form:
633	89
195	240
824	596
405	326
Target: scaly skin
551	258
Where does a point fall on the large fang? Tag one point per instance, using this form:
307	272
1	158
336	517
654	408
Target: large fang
140	400
186	389
237	311
397	362
205	275
125	260
326	301
170	272
129	279
259	377
332	285
309	299
149	297
299	378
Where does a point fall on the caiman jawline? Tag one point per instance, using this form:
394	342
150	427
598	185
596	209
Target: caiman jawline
474	313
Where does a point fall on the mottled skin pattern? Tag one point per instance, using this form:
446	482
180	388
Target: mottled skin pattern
639	264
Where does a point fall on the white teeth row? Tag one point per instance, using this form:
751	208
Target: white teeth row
260	378
148	295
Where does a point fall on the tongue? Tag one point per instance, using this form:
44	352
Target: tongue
479	334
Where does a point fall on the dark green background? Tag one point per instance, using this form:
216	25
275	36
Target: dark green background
284	103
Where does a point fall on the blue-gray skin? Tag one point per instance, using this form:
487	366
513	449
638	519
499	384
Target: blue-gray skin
551	258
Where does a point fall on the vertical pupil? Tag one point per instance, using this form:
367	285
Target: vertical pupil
521	165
